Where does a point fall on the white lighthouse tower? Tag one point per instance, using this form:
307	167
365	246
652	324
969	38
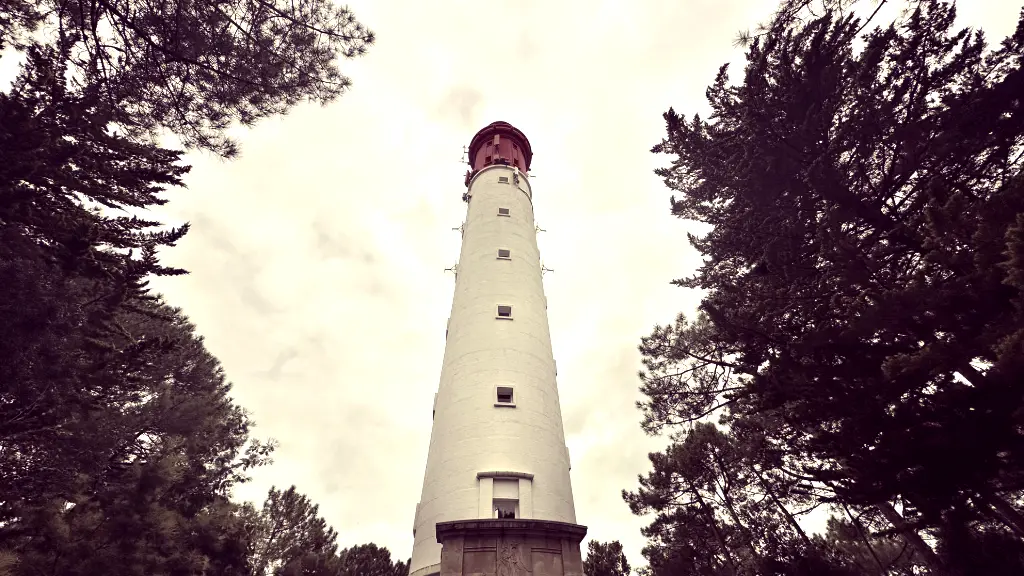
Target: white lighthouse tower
496	492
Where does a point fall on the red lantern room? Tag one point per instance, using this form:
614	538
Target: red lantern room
499	143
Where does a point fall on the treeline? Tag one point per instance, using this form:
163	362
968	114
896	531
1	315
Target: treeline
859	350
119	442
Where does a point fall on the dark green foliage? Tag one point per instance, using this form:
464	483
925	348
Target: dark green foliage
287	528
605	559
59	163
863	272
66	273
969	545
362	560
139	484
861	546
194	67
310	565
370	560
289	538
719	509
118	441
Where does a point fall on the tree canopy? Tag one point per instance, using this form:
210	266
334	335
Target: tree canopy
119	441
605	559
191	67
863	276
289	527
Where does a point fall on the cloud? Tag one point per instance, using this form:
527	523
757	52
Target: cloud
282	358
318	257
335	245
461	104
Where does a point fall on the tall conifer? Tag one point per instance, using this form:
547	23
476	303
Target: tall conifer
863	268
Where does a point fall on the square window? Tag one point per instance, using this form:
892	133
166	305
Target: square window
504	254
502	179
505	509
503	212
504	394
504	312
487	159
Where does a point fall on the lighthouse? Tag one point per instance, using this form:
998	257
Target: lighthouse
497	498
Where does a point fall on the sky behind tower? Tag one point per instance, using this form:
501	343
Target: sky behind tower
317	258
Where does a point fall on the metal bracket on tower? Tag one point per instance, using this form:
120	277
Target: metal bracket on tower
539	229
454	269
544	269
465	151
461	228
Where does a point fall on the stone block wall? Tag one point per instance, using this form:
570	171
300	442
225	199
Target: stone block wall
510	548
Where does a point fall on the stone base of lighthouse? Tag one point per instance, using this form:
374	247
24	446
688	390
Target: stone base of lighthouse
510	548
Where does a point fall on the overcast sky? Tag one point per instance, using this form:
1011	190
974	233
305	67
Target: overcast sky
317	258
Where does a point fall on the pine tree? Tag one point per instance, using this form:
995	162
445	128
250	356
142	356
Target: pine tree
119	443
118	440
605	559
863	268
370	560
289	527
289	538
141	484
361	560
67	270
194	67
721	508
863	544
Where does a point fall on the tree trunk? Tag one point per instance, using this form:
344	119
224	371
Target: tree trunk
1004	512
264	555
735	516
714	528
913	538
864	537
783	509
